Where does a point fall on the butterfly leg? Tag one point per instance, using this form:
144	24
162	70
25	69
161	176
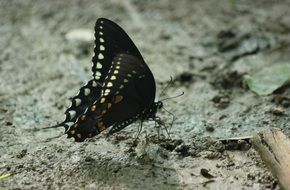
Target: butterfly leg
172	115
139	130
157	127
161	124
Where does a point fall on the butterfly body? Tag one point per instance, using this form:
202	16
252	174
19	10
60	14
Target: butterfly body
121	92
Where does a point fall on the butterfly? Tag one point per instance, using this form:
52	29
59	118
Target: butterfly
121	91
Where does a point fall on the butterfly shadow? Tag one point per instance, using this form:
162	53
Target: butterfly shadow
127	172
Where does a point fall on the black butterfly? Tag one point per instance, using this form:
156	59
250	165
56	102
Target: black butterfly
122	89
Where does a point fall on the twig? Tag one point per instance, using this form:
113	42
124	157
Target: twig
274	149
5	176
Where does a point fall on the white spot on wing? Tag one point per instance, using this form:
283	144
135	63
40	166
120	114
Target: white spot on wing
102	48
101	33
99	65
125	80
78	101
69	124
98	73
72	114
110	84
116	72
101	56
113	77
87	91
95	84
102	40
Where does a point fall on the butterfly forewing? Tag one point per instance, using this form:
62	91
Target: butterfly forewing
110	40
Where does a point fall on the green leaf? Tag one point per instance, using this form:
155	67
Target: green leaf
267	80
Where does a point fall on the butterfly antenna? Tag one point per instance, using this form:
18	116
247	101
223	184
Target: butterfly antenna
173	97
52	138
54	126
166	87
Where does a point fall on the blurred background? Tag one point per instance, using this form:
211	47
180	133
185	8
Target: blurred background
231	58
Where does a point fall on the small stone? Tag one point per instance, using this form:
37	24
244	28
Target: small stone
183	150
9	123
251	176
22	153
278	111
89	159
205	173
221	101
84	35
209	128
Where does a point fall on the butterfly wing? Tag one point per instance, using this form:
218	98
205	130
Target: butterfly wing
110	40
121	88
128	89
79	103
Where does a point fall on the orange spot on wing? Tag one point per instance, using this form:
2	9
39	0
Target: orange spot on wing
93	108
100	123
103	100
101	126
79	135
72	132
83	117
118	98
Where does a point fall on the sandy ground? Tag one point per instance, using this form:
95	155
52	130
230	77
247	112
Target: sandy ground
204	45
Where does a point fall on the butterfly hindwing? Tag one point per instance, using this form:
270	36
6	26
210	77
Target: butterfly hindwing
120	101
79	103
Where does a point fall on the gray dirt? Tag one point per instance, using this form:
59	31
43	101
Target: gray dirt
204	45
